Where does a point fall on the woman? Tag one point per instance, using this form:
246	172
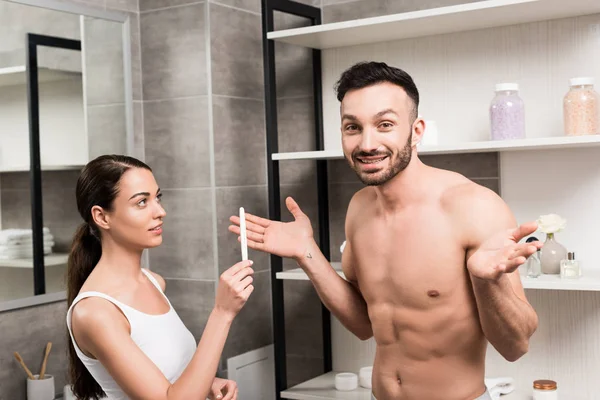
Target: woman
126	339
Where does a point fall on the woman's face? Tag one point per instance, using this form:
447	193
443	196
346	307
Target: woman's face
137	214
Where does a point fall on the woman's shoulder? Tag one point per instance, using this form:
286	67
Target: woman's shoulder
161	281
92	315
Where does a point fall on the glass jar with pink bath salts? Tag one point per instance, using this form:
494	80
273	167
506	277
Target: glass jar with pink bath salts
580	108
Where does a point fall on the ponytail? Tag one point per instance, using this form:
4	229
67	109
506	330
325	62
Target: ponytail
97	185
85	254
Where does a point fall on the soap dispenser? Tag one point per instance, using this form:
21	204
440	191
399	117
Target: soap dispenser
533	265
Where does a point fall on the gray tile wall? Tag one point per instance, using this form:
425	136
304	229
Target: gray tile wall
177	139
28	330
344	10
204	136
238	116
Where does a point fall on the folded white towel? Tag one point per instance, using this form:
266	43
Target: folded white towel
15	235
499	386
26	240
17	246
12	254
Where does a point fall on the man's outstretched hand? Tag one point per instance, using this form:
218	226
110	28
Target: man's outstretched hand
285	239
502	253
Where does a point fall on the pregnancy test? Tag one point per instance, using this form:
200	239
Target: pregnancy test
243	234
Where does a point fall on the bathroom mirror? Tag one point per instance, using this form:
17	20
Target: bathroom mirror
65	98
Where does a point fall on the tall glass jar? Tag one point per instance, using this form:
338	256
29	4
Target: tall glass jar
507	113
580	108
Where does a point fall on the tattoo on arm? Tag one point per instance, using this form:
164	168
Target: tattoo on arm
308	255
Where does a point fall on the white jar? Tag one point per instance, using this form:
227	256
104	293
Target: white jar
346	381
544	389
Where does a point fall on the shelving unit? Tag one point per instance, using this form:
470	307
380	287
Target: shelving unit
588	282
379	32
323	388
17	75
436	21
50	260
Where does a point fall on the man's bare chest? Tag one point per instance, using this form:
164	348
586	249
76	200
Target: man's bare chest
416	262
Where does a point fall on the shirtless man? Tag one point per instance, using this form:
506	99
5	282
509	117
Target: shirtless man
430	256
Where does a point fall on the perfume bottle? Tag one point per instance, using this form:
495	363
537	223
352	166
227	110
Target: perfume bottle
569	268
533	265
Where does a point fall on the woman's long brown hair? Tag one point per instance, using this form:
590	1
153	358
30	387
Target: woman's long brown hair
98	185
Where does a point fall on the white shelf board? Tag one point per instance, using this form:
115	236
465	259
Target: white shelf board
590	281
11	76
531	144
297	274
23	168
309	155
50	260
323	388
435	21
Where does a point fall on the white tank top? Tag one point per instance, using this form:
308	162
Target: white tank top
163	338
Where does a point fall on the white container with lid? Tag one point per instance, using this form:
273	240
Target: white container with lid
507	113
581	81
346	381
581	108
545	389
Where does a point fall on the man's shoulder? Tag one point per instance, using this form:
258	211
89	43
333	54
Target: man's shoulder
474	208
464	194
362	198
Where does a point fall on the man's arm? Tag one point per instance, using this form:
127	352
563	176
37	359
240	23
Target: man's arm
341	297
295	240
493	256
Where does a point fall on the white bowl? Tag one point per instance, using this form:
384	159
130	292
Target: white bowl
346	381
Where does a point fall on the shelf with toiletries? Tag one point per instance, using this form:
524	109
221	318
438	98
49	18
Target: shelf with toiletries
16	249
323	388
50	260
589	281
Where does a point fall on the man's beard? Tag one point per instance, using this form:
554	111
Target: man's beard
397	165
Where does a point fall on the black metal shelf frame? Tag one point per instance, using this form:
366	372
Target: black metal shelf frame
314	15
35	169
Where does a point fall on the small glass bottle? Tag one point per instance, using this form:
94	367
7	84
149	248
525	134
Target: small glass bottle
544	389
580	108
569	268
533	265
507	113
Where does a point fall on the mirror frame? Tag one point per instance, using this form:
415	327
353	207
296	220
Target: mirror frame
125	20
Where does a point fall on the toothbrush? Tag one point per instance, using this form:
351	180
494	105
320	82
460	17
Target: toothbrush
244	239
